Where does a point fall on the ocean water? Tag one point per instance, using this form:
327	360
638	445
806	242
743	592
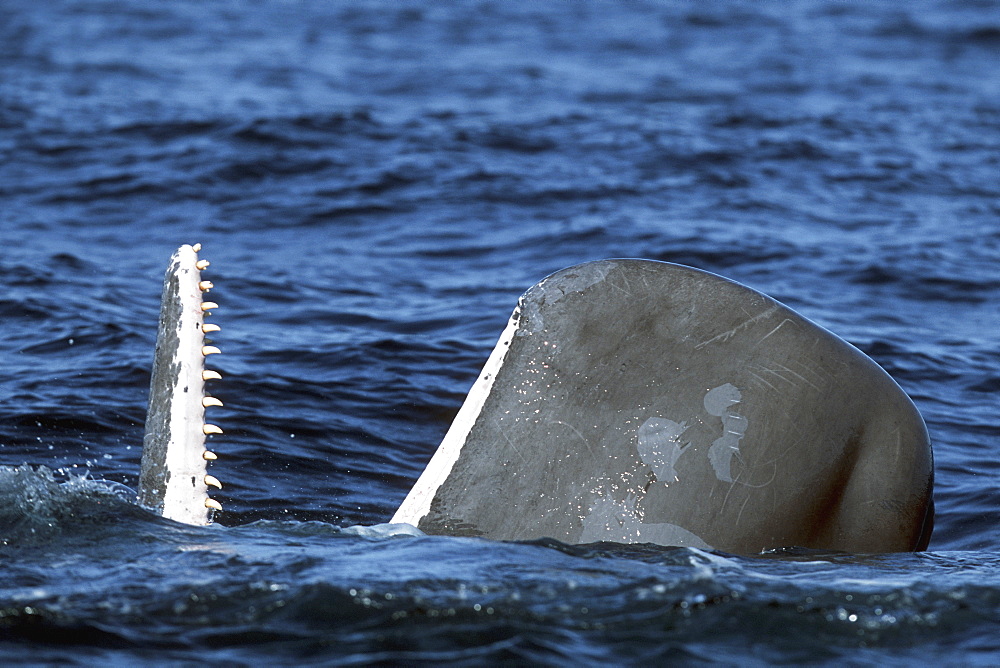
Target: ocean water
375	183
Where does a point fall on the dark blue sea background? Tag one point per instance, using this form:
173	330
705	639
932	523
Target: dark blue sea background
375	184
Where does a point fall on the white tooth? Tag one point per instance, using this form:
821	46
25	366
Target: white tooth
212	481
205	286
210	429
208	306
209	327
202	264
210	401
210	350
213	504
209	456
208	374
197	248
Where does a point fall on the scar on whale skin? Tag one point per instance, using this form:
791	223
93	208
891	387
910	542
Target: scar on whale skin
621	522
718	402
659	445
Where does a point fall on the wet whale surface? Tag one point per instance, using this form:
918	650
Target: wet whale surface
647	402
376	183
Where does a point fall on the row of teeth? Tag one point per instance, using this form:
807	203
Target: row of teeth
207	374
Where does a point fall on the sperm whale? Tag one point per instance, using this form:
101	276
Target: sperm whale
627	400
641	401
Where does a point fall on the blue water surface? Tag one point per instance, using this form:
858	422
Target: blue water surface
375	183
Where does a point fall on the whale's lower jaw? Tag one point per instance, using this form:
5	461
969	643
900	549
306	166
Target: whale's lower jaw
174	480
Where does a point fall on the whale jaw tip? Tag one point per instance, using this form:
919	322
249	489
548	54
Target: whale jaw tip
174	479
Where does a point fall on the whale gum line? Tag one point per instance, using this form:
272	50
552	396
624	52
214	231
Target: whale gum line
173	479
640	401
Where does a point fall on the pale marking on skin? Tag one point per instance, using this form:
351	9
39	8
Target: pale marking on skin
718	402
739	515
659	445
815	372
725	336
799	376
791	419
763	381
774	330
737	481
775	373
809	369
621	521
506	438
790	372
576	431
627	290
